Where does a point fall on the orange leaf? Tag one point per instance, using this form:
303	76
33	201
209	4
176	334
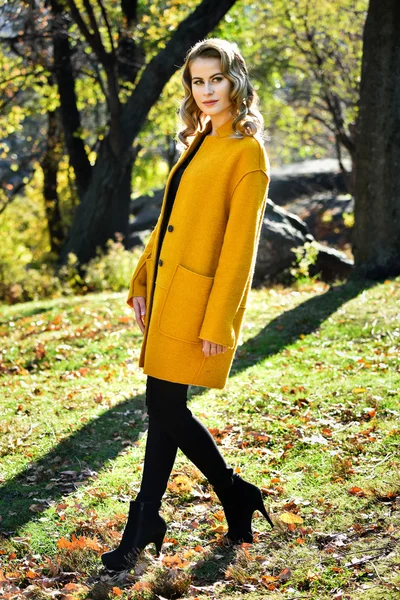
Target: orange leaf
30	574
117	591
268	578
356	491
174	561
285	575
69	587
141	585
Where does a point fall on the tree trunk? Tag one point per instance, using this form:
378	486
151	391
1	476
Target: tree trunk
65	78
49	164
376	237
104	208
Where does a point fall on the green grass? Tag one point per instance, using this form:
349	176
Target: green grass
310	413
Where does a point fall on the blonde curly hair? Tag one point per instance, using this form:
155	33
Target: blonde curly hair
247	118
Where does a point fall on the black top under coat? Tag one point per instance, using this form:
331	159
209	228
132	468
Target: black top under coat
172	191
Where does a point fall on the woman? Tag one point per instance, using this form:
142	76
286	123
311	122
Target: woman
190	288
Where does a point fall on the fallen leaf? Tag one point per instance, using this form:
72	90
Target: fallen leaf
285	575
220	515
30	574
268	578
357	491
117	591
287	517
37	508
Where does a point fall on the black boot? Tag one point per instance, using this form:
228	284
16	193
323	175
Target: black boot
239	501
143	527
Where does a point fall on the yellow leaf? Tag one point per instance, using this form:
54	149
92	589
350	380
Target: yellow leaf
220	515
219	528
287	517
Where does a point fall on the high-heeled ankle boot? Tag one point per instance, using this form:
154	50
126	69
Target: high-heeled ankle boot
239	501
144	526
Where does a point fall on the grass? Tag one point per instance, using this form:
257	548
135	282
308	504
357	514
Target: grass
310	414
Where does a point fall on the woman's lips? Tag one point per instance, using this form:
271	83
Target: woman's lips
210	102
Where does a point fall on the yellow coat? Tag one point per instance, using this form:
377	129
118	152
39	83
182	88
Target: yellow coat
207	260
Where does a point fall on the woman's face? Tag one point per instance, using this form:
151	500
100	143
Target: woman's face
209	85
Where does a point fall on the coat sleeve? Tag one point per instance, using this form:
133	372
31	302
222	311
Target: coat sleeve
237	258
139	278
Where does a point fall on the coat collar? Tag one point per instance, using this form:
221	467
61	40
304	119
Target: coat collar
223	130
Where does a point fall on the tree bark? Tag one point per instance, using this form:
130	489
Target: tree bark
69	111
108	195
376	237
49	165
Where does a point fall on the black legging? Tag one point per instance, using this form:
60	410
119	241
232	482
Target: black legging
171	426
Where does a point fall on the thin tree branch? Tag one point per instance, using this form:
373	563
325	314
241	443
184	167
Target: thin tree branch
76	15
105	17
109	64
97	41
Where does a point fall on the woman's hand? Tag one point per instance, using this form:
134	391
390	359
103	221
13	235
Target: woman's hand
211	349
139	306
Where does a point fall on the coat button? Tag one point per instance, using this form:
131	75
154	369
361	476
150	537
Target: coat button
160	263
170	227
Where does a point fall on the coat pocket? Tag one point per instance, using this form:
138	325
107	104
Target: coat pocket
185	305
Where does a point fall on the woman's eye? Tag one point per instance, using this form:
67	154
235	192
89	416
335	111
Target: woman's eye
214	80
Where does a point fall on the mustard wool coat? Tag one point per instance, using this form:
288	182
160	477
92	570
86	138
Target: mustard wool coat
207	259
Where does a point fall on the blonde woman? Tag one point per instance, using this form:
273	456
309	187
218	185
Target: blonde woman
190	288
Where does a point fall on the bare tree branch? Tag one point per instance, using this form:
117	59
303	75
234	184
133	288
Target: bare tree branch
105	17
110	68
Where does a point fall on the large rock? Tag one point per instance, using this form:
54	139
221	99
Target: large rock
306	178
145	211
282	231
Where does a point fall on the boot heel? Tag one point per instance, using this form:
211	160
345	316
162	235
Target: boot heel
262	510
158	542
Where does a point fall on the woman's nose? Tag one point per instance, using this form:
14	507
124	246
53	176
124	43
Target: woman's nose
208	88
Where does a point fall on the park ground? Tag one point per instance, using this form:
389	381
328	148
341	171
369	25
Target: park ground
310	414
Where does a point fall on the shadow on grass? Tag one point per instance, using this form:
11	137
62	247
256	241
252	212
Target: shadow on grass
102	439
212	568
71	463
290	325
25	312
